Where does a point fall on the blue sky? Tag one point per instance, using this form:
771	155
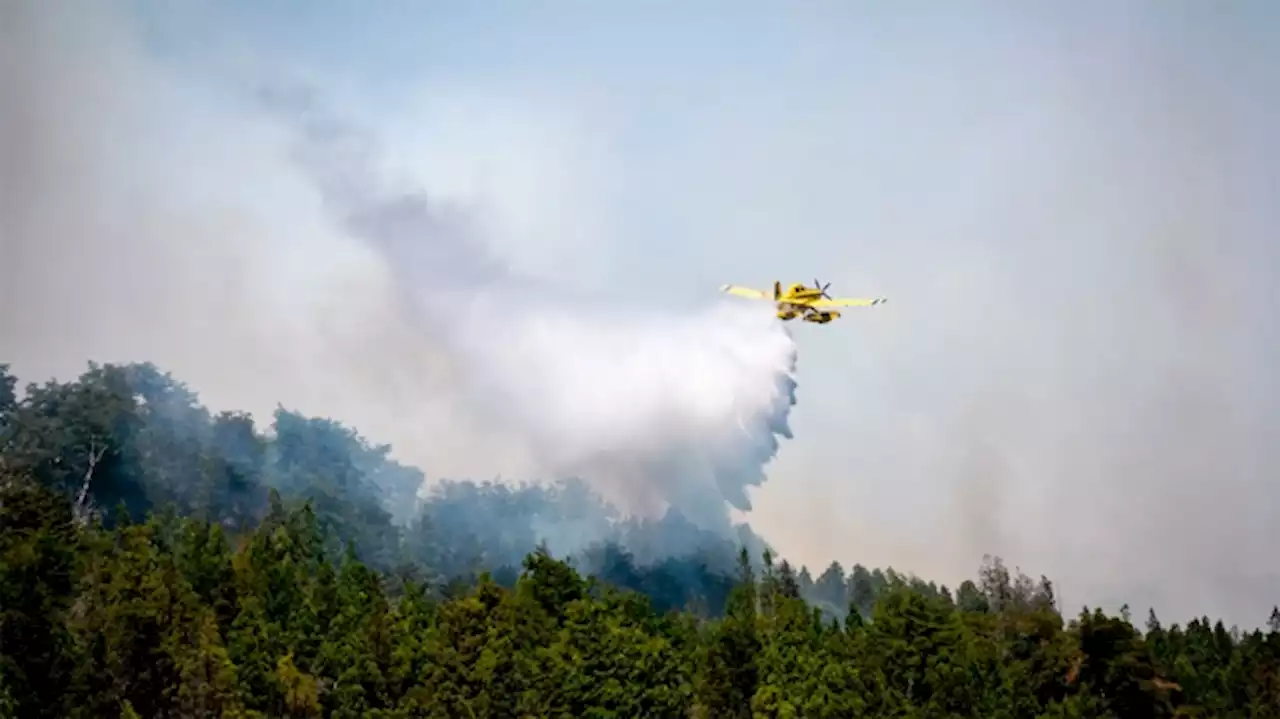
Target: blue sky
1070	205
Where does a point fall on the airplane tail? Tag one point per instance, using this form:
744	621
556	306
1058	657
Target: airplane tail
777	289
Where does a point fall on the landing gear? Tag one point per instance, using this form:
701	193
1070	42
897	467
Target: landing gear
808	314
821	317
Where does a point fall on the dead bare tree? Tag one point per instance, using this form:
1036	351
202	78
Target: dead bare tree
96	452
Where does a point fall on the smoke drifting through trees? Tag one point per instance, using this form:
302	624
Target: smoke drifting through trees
137	439
1078	374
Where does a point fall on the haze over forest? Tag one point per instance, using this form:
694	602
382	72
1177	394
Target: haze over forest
499	256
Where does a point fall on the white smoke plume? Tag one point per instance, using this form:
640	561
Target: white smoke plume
123	241
120	244
655	409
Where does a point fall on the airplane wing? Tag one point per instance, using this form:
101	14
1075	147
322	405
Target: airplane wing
849	302
746	292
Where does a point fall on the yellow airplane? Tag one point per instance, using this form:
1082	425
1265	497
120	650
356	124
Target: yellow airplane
808	303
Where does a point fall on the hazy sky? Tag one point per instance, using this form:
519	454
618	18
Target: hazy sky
1070	205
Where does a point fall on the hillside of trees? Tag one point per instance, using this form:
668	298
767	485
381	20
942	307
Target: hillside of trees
157	560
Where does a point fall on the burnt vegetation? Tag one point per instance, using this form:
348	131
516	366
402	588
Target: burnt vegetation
158	560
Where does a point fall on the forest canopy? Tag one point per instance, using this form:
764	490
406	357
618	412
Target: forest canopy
160	560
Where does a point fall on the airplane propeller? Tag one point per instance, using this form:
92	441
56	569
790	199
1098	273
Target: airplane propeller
821	287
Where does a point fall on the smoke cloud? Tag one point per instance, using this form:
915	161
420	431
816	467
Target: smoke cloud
1072	208
656	409
423	337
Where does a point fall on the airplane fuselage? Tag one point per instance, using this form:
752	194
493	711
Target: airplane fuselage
794	302
800	293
